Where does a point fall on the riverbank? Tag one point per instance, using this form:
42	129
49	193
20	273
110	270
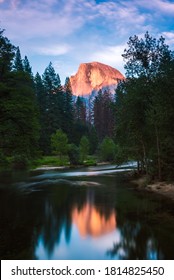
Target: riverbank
163	188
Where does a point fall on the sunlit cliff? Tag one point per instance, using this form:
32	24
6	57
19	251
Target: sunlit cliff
93	77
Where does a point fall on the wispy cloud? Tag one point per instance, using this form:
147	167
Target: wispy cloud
169	36
53	50
61	17
42	19
14	4
164	6
111	55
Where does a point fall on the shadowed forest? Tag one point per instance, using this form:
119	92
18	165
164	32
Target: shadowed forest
41	119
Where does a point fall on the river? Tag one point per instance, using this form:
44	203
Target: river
87	213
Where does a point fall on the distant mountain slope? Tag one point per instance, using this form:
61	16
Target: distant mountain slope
91	77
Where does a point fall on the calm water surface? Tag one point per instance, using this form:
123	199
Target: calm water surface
90	213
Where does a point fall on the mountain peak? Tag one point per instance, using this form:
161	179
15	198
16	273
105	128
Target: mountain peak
93	76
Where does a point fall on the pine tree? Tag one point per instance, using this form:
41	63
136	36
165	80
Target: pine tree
84	148
26	66
54	100
59	143
42	107
98	115
18	66
68	109
107	149
7	53
18	111
80	124
103	114
40	94
80	110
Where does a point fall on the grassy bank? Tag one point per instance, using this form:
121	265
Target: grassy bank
55	161
51	161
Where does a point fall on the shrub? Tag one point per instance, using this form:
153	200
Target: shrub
84	148
74	155
20	162
107	149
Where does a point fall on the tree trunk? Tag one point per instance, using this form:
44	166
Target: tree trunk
144	158
138	166
158	153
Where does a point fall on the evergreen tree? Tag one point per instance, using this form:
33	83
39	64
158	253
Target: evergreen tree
80	110
68	109
26	66
140	105
98	115
18	111
59	143
18	65
40	91
80	124
131	130
54	111
84	148
7	52
73	154
93	139
144	56
107	149
103	114
160	120
42	107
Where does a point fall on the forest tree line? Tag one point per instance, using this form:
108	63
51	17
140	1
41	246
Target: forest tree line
40	116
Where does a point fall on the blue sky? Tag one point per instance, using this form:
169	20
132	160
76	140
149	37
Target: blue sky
68	32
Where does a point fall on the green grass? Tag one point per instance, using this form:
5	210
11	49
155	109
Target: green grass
64	161
90	161
51	161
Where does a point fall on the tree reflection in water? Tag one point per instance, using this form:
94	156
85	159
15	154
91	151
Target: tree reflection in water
90	219
136	243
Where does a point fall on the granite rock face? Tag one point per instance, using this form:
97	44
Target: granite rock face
91	77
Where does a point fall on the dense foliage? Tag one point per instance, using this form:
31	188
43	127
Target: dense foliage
144	106
19	126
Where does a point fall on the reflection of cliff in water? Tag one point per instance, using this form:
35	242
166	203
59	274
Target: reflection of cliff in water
62	211
90	220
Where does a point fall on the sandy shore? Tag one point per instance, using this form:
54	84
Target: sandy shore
163	188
